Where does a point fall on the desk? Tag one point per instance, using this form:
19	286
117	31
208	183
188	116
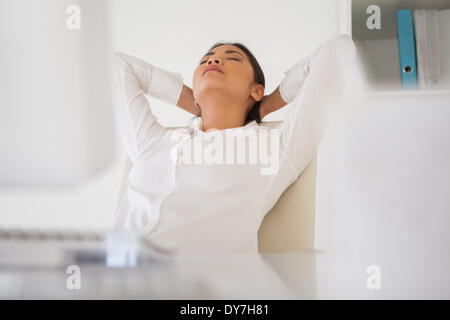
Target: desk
302	274
122	270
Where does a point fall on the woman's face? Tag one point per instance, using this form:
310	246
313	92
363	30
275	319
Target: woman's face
235	77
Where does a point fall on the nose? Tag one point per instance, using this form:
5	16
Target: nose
213	59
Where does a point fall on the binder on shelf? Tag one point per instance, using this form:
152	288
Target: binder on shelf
426	29
444	47
406	47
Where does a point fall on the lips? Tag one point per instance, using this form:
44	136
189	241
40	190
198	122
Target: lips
212	69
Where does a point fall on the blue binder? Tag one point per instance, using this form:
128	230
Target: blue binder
407	49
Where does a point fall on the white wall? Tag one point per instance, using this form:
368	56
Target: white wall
172	35
175	34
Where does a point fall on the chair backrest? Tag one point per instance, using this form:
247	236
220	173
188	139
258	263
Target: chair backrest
289	225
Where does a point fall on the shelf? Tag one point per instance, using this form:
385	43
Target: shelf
378	48
409	92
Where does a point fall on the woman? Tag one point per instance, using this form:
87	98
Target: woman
219	206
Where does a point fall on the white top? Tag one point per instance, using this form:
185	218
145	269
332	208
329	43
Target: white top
219	206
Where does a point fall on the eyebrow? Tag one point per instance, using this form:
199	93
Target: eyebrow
228	51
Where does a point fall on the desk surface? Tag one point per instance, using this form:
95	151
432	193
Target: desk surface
181	276
32	270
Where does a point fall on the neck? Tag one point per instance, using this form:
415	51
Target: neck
219	115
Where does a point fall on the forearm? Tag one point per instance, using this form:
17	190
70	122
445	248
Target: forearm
289	86
306	120
138	126
187	101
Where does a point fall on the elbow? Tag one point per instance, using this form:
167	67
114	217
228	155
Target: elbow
119	62
342	46
117	57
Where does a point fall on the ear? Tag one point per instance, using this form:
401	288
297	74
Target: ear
257	92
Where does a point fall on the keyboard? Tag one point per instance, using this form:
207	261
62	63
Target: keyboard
52	248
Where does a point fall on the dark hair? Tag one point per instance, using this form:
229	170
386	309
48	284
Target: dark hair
258	75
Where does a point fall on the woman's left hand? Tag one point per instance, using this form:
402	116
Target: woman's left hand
271	103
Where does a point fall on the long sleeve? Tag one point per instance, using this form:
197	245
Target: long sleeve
138	127
307	117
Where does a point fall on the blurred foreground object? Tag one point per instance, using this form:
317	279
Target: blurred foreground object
56	123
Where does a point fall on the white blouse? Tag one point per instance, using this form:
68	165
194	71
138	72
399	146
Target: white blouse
202	205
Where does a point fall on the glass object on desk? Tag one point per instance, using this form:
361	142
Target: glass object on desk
56	248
